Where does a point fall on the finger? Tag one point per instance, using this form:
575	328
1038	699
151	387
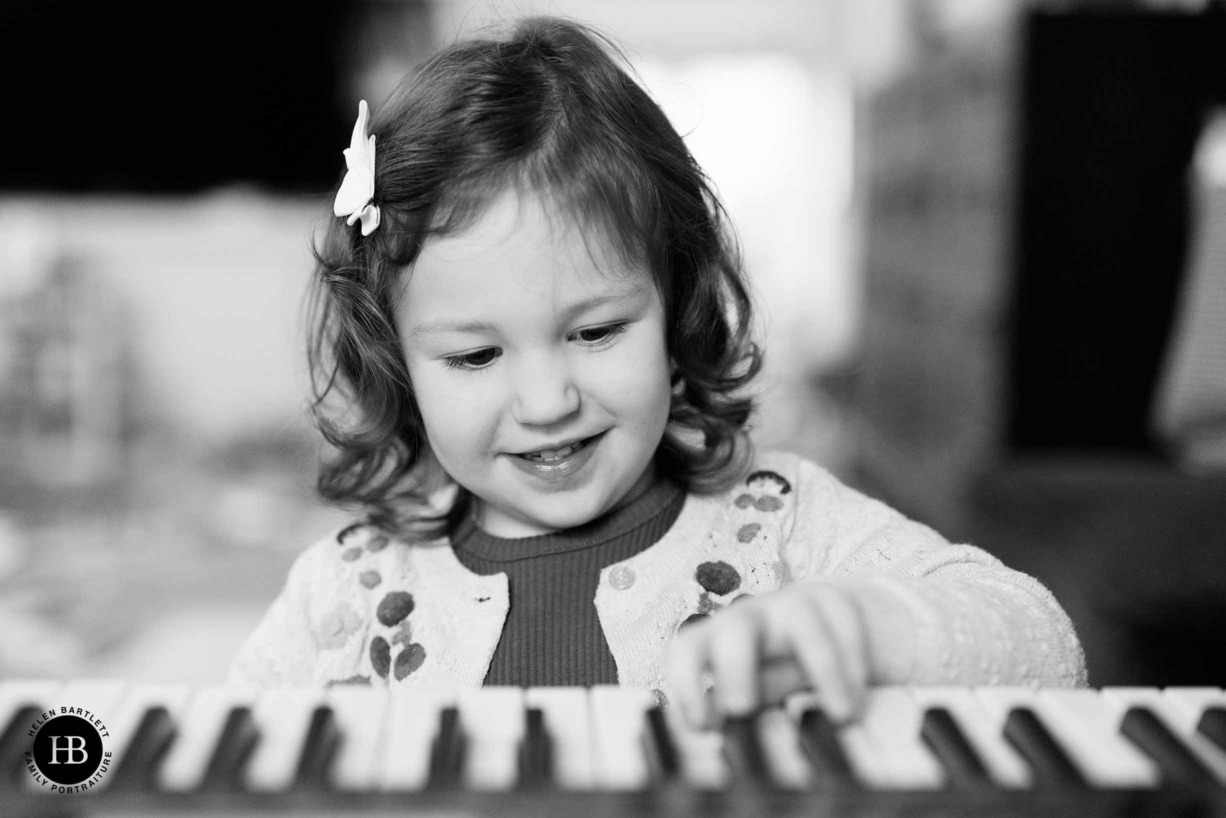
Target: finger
798	654
813	646
734	657
841	617
780	678
685	664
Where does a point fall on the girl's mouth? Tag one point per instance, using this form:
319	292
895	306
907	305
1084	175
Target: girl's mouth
552	455
558	466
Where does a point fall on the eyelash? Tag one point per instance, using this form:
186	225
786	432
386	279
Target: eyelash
611	331
464	362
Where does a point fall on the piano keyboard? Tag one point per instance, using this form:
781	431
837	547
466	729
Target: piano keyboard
610	751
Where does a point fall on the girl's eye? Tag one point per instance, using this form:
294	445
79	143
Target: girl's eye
595	336
473	360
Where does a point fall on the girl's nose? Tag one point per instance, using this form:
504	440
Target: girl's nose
545	392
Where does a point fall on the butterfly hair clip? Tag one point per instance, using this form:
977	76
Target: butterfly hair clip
354	200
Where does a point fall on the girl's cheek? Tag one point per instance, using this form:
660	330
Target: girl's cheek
459	397
639	366
440	392
431	391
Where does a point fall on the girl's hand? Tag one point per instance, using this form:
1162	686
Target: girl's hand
760	649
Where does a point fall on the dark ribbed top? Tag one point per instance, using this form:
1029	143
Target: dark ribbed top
552	635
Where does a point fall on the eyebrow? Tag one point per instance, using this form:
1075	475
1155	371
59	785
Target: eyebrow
578	308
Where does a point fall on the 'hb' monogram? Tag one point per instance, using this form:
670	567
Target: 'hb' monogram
75	744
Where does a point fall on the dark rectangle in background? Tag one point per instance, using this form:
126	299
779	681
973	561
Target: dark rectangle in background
172	97
1112	105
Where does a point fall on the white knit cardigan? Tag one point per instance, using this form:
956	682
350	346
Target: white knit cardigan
360	608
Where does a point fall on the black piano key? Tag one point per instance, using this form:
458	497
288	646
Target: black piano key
820	741
137	768
535	752
1178	765
1049	762
659	746
237	740
14	742
963	767
447	751
743	748
322	740
1212	725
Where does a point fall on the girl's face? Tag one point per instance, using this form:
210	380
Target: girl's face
540	366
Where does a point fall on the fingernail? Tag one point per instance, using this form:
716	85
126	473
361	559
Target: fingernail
710	712
738	707
839	710
687	709
696	713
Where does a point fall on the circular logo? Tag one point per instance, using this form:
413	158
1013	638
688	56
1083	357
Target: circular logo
68	750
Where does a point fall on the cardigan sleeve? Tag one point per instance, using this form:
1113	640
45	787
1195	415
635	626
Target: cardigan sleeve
283	649
941	613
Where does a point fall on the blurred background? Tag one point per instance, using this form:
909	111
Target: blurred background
988	239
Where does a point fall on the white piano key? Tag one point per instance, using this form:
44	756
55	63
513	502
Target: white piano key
998	701
618	723
1174	713
18	693
199	727
865	758
1094	747
701	753
99	697
1006	767
282	717
781	744
131	708
565	710
1089	729
857	742
360	714
892	719
493	720
97	701
412	725
138	700
1190	702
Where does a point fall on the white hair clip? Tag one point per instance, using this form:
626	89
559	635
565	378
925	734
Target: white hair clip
354	199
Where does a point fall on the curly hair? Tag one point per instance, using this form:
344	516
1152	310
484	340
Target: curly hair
548	107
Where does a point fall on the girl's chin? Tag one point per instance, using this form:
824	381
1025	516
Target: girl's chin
549	520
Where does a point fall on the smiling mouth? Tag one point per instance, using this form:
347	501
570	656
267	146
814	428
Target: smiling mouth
554	455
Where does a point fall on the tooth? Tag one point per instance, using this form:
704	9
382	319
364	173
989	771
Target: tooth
550	455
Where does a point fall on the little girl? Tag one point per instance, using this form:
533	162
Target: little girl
531	343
